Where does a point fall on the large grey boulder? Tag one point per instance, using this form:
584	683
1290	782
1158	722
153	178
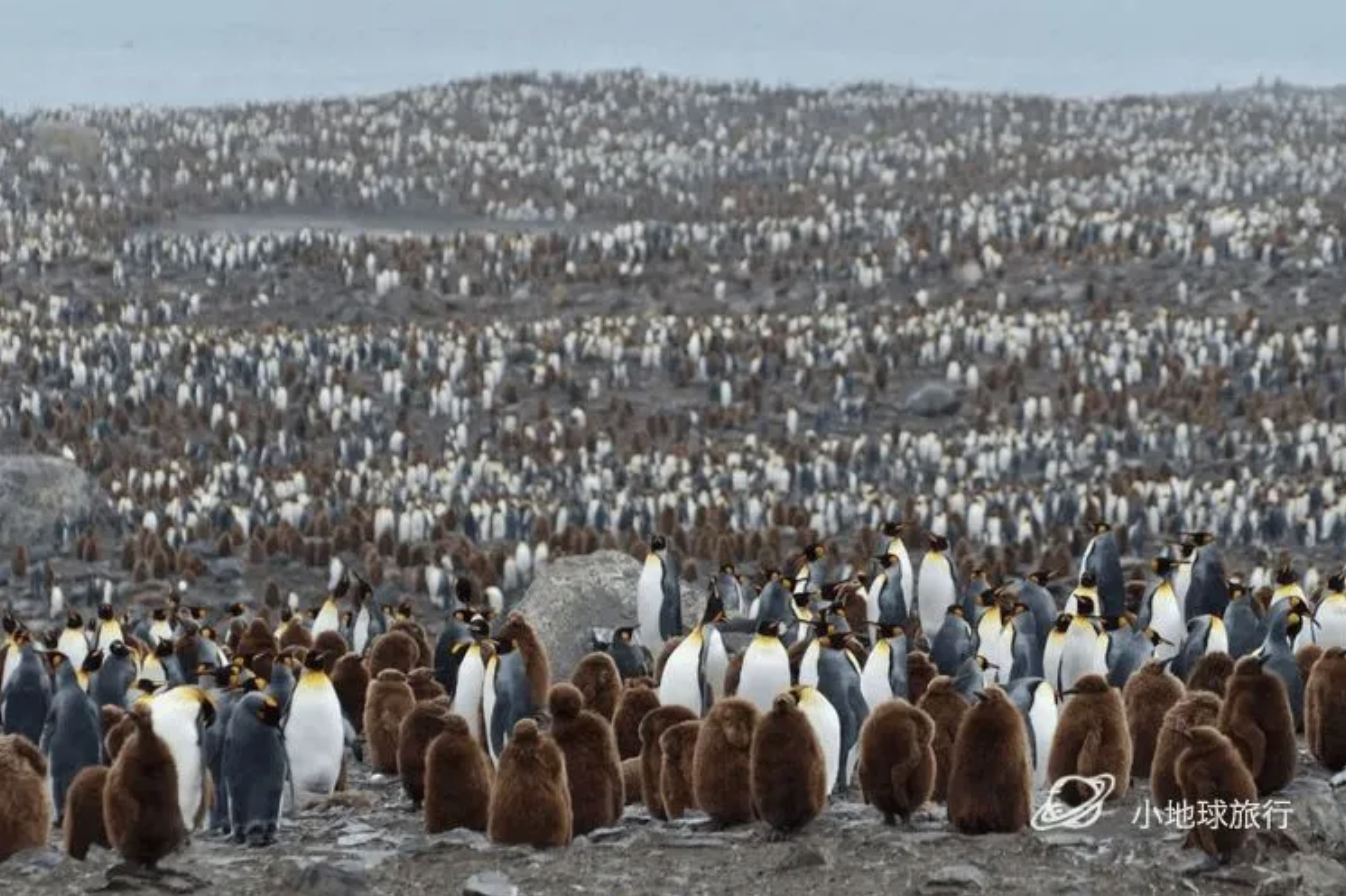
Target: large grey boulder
36	492
933	399
572	596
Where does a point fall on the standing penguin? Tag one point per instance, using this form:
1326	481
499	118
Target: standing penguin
179	717
826	722
421	726
599	682
1278	657
1205	634
530	801
140	800
828	666
676	782
897	546
389	702
946	708
109	628
730	585
954	642
1256	716
688	675
1325	709
450	647
254	769
518	678
1162	610
652	728
314	730
1080	654
114	679
72	641
71	738
1242	622
1147	698
470	675
1036	701
593	767
25	816
722	762
765	671
787	768
1091	739
990	779
632	658
1211	772
1103	561
27	695
1025	644
1195	709
457	780
936	589
1207	590
884	676
659	596
1034	594
897	760
1129	650
885	602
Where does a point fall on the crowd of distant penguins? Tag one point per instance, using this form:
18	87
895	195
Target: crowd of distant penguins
138	733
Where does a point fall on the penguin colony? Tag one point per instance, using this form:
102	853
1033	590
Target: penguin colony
317	522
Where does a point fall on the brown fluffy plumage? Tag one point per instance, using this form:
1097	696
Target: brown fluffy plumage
593	768
25	816
256	640
426	721
332	646
350	679
530	803
390	701
1192	711
676	782
83	825
535	663
652	728
732	673
631	780
140	799
1091	739
424	685
457	780
897	759
393	650
600	682
722	762
786	769
991	777
1325	709
1306	658
413	629
1210	770
1211	672
920	672
946	708
1148	695
110	719
294	634
1256	717
638	700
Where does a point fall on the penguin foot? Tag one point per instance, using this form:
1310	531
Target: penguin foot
890	819
774	835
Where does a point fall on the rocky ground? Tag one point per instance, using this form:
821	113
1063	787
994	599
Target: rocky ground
369	842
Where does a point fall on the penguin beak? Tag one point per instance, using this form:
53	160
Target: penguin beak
1164	640
1262	658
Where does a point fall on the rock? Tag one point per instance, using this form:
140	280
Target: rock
36	492
326	878
1317	873
1314	818
489	883
933	399
957	877
804	857
574	595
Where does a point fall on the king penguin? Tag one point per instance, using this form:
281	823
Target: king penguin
936	589
1163	610
633	659
1330	613
1278	658
884	676
730	585
470	681
1103	560
1036	700
765	672
179	717
314	730
885	602
826	724
254	769
73	642
690	672
450	647
368	622
329	614
893	532
27	697
109	629
828	666
954	642
659	597
72	735
1205	634
1207	588
1243	622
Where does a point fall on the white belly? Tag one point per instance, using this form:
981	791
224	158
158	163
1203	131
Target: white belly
360	636
935	593
109	632
827	726
160	631
1051	661
176	726
717	663
765	673
1218	642
12	657
1166	620
874	683
315	738
680	684
872	598
649	601
329	620
1332	617
488	706
467	698
1078	658
1043	717
1181	582
75	646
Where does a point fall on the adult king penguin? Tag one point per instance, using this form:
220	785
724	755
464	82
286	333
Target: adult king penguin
1103	559
828	666
659	597
765	672
896	546
692	670
1207	589
884	676
936	589
314	731
885	601
1163	609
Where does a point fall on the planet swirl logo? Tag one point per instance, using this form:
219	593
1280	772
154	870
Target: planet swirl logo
1055	814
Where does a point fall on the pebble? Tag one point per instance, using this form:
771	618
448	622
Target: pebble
958	877
326	878
489	883
804	857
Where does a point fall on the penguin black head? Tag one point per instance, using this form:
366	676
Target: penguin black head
887	561
268	711
164	649
255	683
1116	623
769	628
479	627
1155	638
1286	576
624	633
404	611
1084	604
236	610
889	630
1201	539
11	625
346	617
816	551
207	633
987	598
729	570
658	543
803	599
159	614
462	591
1088	579
1041	577
315	661
343	585
1164	566
197	613
1101	527
984	663
787	582
714	612
1062	623
56	658
74	621
286	614
956	610
363	590
835	638
893	529
1336	582
105	612
505	645
119	650
937	543
145	686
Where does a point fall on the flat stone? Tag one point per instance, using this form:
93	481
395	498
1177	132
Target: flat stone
957	877
325	878
804	857
489	883
1067	839
1317	874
